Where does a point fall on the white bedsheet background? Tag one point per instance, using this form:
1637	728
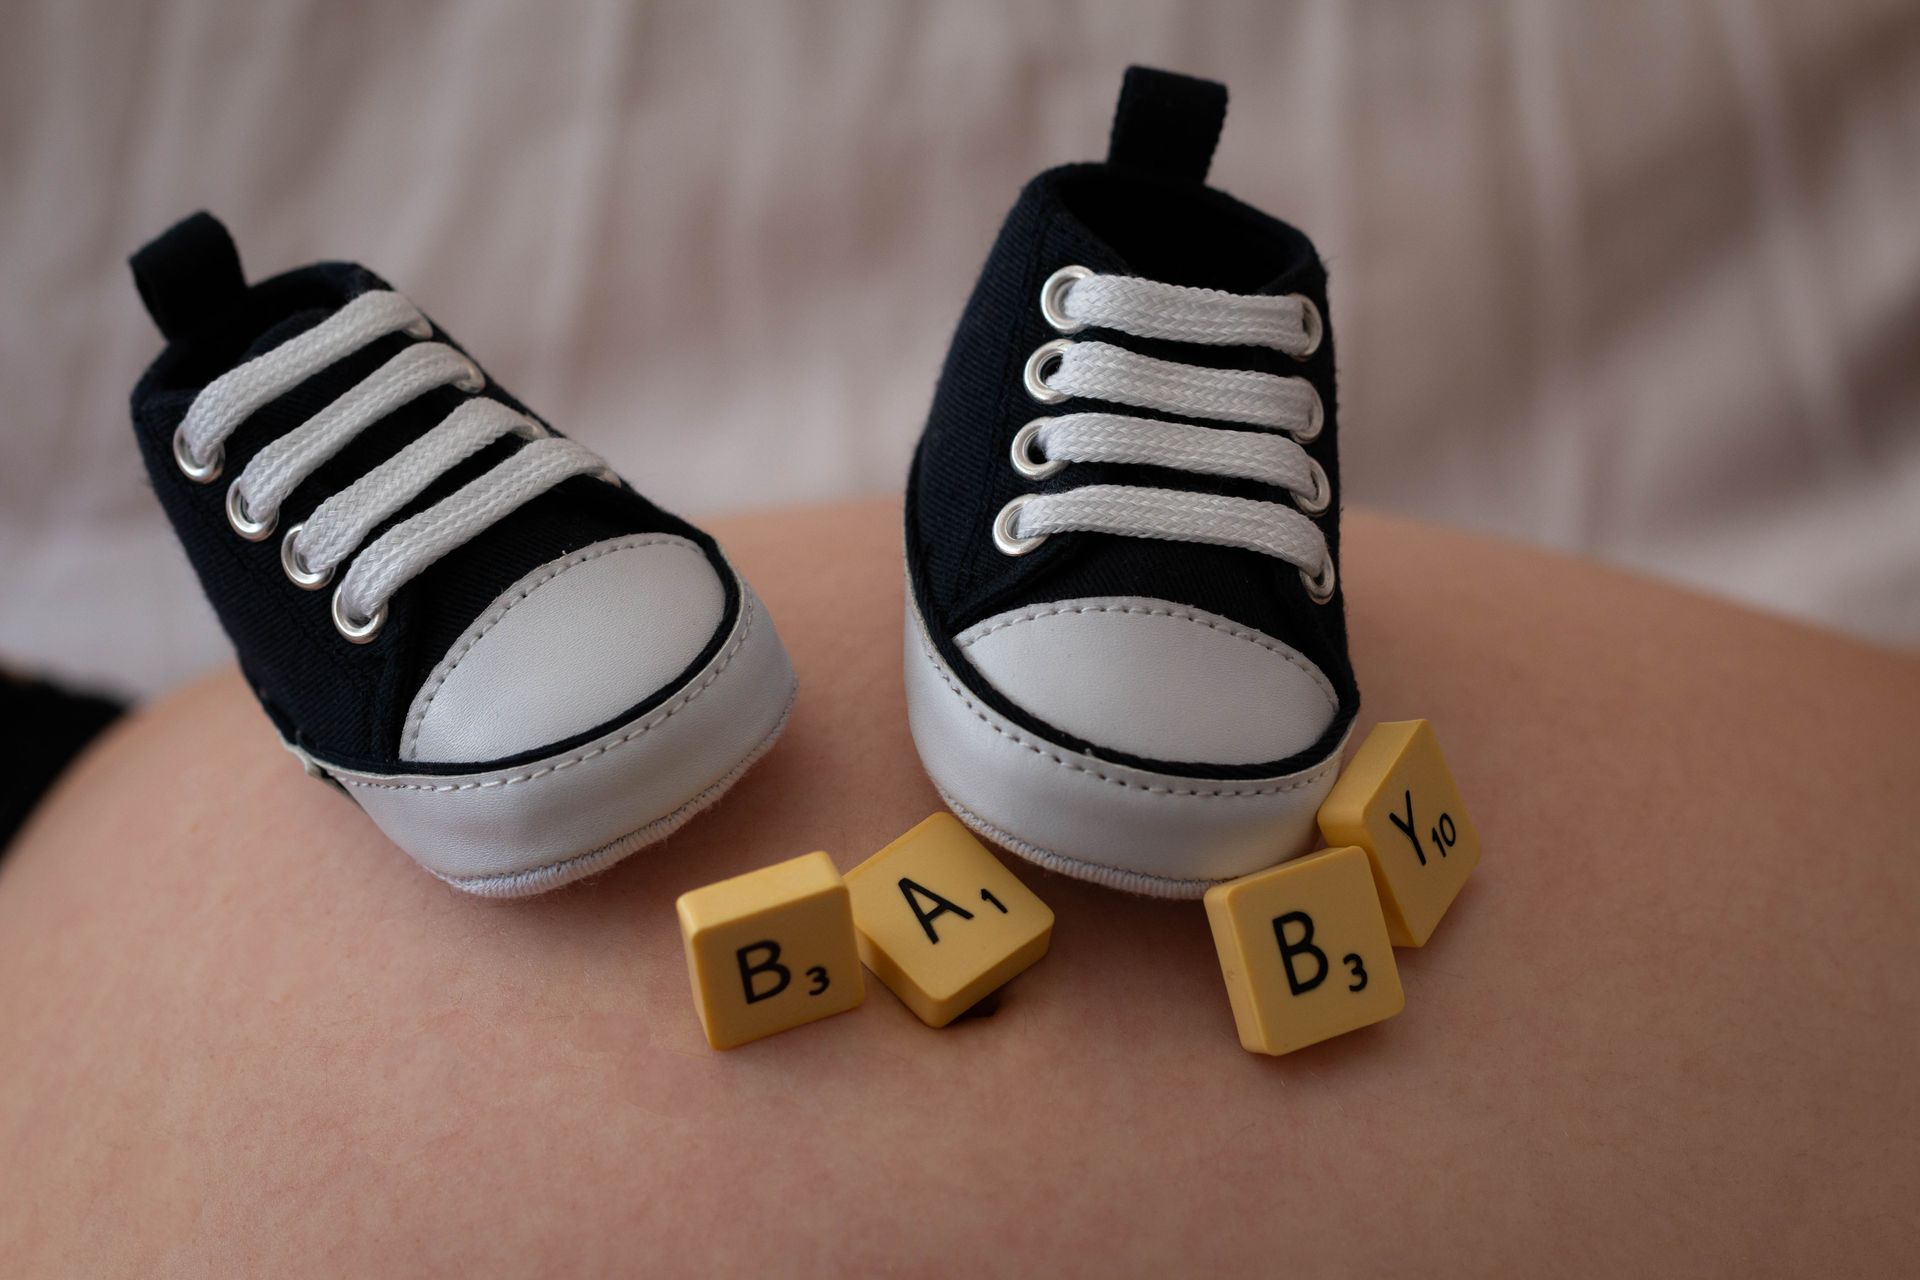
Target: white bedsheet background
1635	279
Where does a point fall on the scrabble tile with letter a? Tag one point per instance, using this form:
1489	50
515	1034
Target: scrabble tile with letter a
942	922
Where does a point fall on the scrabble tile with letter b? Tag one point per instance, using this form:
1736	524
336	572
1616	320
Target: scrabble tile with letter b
1396	800
1304	951
771	950
942	921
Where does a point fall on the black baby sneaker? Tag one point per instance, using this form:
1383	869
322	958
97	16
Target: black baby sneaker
1126	656
519	667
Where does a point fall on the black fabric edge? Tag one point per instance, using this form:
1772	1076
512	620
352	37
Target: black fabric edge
1046	186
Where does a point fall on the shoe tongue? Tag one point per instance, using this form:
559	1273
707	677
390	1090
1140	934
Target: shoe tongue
1167	124
189	275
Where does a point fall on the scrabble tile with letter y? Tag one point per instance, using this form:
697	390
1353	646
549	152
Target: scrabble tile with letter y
1396	800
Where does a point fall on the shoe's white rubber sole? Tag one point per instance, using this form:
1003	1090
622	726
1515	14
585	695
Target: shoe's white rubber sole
521	830
1162	835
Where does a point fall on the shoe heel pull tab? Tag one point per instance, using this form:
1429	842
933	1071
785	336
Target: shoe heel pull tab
188	274
1167	123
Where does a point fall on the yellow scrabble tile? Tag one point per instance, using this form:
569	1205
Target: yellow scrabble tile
1397	801
942	922
770	950
1304	951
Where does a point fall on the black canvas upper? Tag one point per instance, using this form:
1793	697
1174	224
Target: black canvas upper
343	702
1145	212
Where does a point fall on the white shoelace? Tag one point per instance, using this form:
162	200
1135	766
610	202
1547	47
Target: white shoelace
1073	299
1285	322
312	550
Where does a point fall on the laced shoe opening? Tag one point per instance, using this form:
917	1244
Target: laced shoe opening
1180	232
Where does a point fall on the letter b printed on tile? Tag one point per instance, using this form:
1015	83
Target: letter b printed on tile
770	950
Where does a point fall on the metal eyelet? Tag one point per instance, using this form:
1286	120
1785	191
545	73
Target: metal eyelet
198	472
1004	537
1316	418
359	631
1053	297
1320	586
1034	375
1024	459
1317	502
1311	321
296	567
421	328
242	521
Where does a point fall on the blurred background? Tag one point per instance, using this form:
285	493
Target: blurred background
1636	279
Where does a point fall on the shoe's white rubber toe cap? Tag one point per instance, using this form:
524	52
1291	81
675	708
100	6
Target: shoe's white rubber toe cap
562	651
568	647
1143	678
1154	679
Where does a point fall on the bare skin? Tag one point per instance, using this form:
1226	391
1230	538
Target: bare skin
1669	1026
